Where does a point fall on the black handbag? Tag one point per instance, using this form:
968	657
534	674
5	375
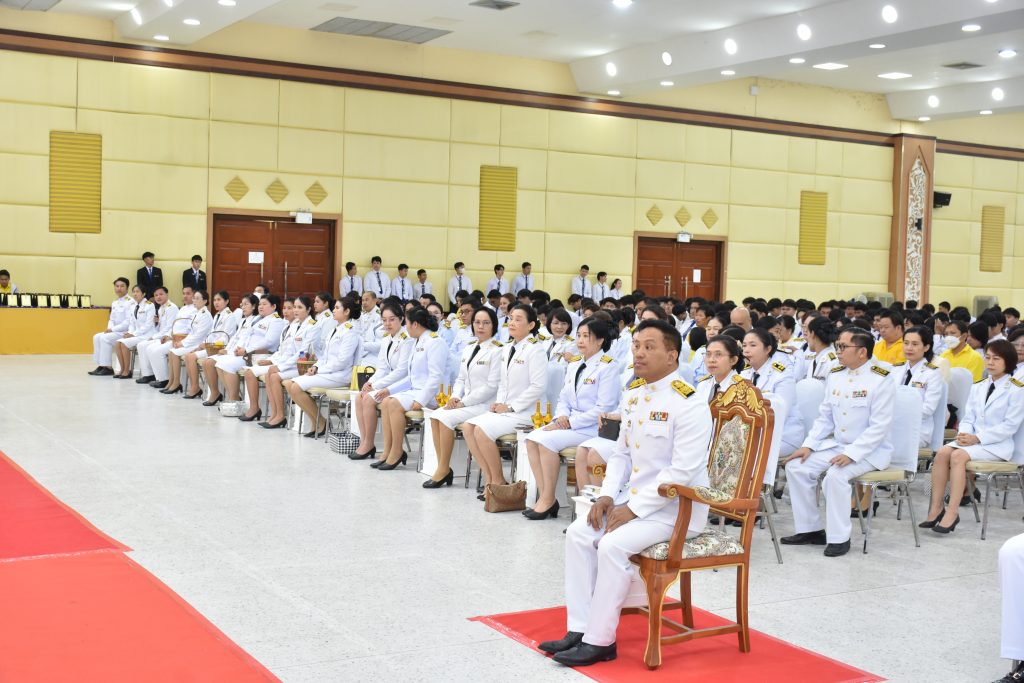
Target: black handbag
609	429
363	375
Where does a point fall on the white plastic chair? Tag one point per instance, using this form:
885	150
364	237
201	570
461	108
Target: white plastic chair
686	372
780	409
927	454
989	471
960	382
809	395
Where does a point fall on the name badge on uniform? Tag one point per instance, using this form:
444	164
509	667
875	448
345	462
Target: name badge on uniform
590	380
519	361
919	385
658	417
859	393
481	362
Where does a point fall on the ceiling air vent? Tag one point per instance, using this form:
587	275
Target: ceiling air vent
380	29
963	66
494	4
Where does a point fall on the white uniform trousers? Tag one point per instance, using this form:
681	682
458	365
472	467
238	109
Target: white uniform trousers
557	439
145	367
103	347
157	355
598	573
456	416
1011	579
603	447
803	480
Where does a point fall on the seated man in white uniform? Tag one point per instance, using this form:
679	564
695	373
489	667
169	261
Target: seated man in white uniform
1011	578
166	314
666	429
117	325
849	438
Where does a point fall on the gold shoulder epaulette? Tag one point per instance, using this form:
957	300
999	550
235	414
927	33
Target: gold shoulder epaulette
737	378
434	335
575	359
462	325
632	329
932	366
348	325
981	380
542	337
606	359
447	324
505	324
569	337
786	350
831	356
533	340
701	379
312	321
682	388
838	368
496	342
403	335
632	365
276	315
1016	382
779	366
879	371
897	364
746	366
637	383
471	342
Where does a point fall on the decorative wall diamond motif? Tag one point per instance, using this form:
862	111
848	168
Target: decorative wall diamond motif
654	214
682	216
316	193
236	189
277	191
709	218
915	238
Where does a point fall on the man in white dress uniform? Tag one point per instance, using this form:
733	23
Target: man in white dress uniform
1011	576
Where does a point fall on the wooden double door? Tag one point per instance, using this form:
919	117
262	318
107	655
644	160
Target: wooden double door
297	258
665	267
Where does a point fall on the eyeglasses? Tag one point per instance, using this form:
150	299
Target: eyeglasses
842	347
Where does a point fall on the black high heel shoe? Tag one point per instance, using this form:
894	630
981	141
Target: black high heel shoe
269	425
363	456
376	463
436	484
939	529
210	404
196	395
550	512
401	461
177	390
930	523
874	511
315	434
251	418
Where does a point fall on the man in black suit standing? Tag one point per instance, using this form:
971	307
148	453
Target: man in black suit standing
149	277
194	277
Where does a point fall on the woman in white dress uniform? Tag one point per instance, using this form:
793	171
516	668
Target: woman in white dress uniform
249	316
428	364
995	409
473	393
283	364
560	348
919	373
591	387
202	323
524	378
141	324
820	357
264	337
224	320
391	365
323	313
334	368
772	377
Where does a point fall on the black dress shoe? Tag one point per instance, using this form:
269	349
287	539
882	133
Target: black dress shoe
190	396
251	418
122	376
930	523
438	483
536	514
874	511
586	654
362	456
376	463
481	496
270	425
939	529
159	385
837	549
315	434
214	402
401	461
145	380
568	642
805	538
1015	676
96	370
176	390
102	372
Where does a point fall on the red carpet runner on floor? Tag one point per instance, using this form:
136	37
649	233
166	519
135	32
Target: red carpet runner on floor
73	607
717	659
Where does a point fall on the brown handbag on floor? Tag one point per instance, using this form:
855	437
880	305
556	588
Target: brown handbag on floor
505	497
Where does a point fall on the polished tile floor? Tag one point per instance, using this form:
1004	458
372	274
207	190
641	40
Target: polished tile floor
326	570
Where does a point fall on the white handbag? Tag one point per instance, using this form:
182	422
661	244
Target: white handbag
231	408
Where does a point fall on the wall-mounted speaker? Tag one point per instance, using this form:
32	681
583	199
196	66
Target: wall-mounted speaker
941	199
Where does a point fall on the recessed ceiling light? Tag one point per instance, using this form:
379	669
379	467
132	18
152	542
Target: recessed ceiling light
169	3
728	72
614	93
666	58
998	94
227	3
830	66
985	112
797	60
924	118
136	17
877	46
889	14
1007	53
933	101
730	46
160	36
970	28
190	22
622	4
895	75
611	69
803	32
667	83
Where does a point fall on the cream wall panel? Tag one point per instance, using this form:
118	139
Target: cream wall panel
258	199
706	145
957	295
532	165
589	214
861	231
758	188
466	160
24	180
866	266
462	246
146	138
420	247
760	261
477	122
244	99
243	146
976	279
757	224
524	127
565	253
44	273
531	212
396	202
954	170
760	150
815	291
308	105
797	183
591	174
867	161
659	140
592	134
803	154
383	113
995	174
464	206
25	128
396	158
39	79
829	157
1018	239
834	187
706	183
143	89
866	196
1020	177
982	198
663	179
975	231
529	247
126	234
314	152
95	276
31	224
793	270
151	187
1017	279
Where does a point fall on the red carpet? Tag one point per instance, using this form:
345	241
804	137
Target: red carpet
101	617
717	659
34	523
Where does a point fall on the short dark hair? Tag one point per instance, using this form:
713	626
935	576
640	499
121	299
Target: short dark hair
861	338
124	280
403	266
526	264
498	265
349	265
958	324
203	293
376	259
148	254
223	294
351	305
421	271
1004	349
601	274
979	330
766	338
274	300
824	329
197	257
669	334
491	315
732	347
892	316
459	264
531	315
161	288
601	329
927	338
585	267
1012	312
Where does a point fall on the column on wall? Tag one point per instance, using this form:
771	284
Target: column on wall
910	241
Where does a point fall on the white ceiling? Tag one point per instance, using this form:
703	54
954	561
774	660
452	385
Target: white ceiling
589	33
